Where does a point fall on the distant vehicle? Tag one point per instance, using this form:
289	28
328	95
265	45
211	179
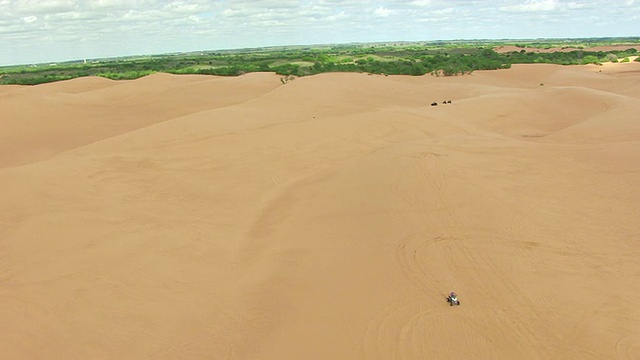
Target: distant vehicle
452	299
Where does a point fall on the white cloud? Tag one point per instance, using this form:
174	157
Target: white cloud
532	6
42	7
339	16
441	12
382	12
114	4
574	5
70	15
317	12
30	19
235	12
421	2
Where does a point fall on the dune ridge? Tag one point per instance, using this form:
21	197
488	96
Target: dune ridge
325	218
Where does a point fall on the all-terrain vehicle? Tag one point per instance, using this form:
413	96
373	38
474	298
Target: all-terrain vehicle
452	299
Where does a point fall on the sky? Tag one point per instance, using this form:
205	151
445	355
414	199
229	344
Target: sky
44	31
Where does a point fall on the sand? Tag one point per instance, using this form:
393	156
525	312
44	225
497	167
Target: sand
192	217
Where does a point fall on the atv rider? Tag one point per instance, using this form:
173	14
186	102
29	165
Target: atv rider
452	295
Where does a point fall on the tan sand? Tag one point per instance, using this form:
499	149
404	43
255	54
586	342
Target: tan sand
190	217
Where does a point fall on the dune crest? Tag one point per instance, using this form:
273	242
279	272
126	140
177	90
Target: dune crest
326	218
81	111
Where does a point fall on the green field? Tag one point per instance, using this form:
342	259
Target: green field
439	58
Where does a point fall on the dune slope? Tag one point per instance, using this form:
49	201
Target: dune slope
241	218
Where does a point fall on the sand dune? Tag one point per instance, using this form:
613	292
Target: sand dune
190	217
42	121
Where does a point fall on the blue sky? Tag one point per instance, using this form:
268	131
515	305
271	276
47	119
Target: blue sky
36	31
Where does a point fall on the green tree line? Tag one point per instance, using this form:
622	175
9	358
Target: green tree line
438	59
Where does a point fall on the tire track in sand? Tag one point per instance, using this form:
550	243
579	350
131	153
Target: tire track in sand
409	328
445	253
628	348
